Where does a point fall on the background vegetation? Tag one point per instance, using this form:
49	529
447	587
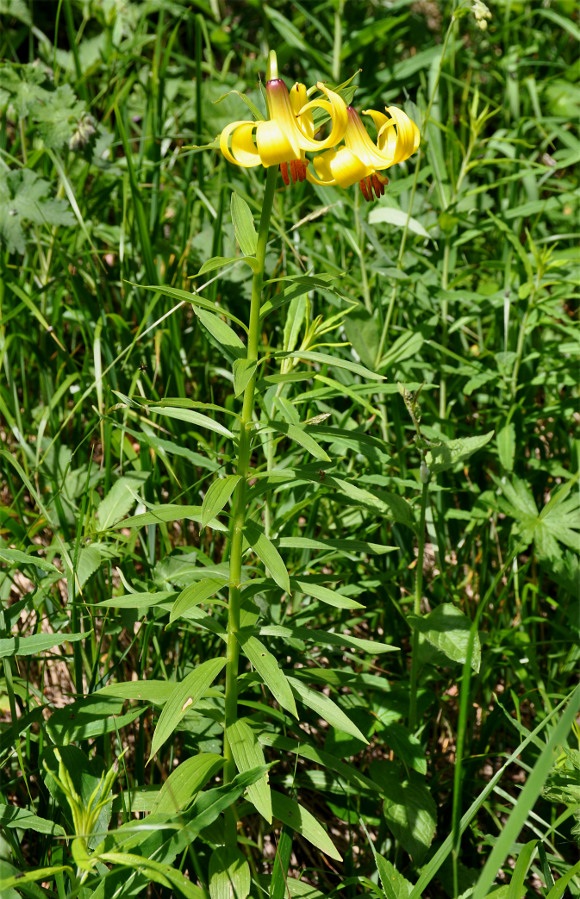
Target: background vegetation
437	777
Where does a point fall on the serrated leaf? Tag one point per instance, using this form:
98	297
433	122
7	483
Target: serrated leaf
268	554
394	884
89	561
184	698
303	822
185	781
248	754
244	228
217	496
324	706
24	197
447	629
408	807
229	874
267	667
244	369
195	594
446	455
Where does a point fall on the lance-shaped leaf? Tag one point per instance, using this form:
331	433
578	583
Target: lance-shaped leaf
194	595
186	781
447	629
217	496
248	754
324	706
303	822
184	698
244	227
267	667
268	554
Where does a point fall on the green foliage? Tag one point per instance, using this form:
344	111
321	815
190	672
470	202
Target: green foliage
409	589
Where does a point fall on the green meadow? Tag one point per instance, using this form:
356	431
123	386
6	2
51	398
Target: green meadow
289	454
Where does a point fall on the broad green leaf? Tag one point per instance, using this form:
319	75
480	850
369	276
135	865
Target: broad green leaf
92	716
25	197
364	332
327	709
267	667
447	629
325	594
190	416
408	807
195	594
446	455
217	496
169	512
185	781
394	884
121	497
268	554
248	754
229	874
184	698
303	822
30	646
244	228
405	346
88	562
221	261
244	369
225	337
398	218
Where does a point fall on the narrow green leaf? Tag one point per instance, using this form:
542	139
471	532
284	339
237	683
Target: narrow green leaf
267	667
153	691
398	218
23	819
15	558
30	646
222	261
184	698
226	337
194	418
121	497
333	362
182	785
506	446
244	369
137	600
217	496
327	709
243	220
299	434
340	545
526	854
248	754
326	638
195	594
303	822
325	594
169	512
559	888
269	555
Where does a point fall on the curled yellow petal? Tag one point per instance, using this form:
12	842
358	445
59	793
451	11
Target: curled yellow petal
243	151
336	109
340	167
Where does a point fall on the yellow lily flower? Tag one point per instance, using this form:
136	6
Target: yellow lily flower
283	139
362	160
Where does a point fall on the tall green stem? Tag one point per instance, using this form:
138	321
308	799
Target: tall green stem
243	467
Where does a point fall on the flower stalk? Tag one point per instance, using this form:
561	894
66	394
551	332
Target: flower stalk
238	520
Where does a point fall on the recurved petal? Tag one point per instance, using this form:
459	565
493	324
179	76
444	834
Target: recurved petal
336	109
358	141
243	149
397	136
275	144
340	167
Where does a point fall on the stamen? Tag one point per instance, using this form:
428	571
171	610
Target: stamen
284	171
379	185
365	184
293	170
302	169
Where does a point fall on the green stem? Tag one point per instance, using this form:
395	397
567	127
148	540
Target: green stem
243	467
417	609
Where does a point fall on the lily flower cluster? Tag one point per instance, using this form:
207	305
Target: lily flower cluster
290	132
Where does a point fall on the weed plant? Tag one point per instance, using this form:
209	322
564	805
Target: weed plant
398	670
